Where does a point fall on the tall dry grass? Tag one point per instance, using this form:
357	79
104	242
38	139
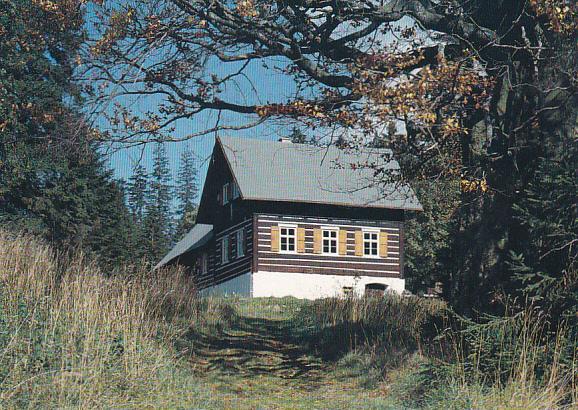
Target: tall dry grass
395	324
432	358
73	336
517	361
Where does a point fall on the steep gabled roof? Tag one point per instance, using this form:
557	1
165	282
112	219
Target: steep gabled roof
287	172
199	235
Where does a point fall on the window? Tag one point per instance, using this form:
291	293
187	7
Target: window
330	241
204	263
375	289
236	192
240	239
287	236
225	194
371	243
225	250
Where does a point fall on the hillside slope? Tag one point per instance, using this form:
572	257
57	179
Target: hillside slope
72	336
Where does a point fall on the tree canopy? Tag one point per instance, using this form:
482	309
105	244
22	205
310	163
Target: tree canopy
53	179
477	93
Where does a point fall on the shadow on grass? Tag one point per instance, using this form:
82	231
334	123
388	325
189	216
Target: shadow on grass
255	346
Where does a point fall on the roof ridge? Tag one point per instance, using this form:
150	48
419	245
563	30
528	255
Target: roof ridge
366	149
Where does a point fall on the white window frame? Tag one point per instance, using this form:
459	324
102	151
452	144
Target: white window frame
225	194
240	240
281	236
332	229
371	241
225	257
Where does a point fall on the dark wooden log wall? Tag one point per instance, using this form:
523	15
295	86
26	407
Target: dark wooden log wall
219	273
267	260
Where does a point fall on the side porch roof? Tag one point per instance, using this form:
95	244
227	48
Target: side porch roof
198	236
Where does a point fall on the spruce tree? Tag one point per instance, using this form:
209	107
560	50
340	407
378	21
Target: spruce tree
157	221
53	181
112	230
545	263
35	80
137	192
187	191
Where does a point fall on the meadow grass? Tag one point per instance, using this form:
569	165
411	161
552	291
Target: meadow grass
430	357
75	337
72	336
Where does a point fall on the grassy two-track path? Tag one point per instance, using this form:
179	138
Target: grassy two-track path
258	364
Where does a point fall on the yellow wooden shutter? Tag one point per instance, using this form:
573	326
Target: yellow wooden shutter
317	240
342	242
274	239
383	244
358	243
300	240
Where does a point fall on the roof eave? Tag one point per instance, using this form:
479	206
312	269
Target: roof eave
198	244
345	204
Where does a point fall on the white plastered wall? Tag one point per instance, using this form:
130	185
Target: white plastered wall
315	286
238	286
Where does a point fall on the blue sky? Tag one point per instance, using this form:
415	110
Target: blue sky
262	85
270	85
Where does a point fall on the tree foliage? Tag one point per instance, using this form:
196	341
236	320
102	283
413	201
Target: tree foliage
545	262
137	192
187	192
157	224
36	61
480	99
53	181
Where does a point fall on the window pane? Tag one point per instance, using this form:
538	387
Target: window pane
225	250
288	239
240	243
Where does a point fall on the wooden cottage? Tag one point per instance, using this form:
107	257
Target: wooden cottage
284	219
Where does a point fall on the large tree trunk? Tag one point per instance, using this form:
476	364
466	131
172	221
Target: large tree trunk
532	107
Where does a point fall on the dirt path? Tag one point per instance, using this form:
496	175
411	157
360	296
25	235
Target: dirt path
258	365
